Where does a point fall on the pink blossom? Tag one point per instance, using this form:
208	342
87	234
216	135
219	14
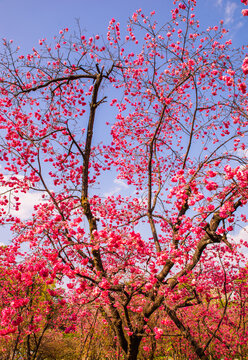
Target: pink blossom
158	332
242	88
245	66
245	12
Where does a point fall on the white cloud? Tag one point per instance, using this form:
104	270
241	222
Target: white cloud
239	25
229	12
27	200
243	153
230	17
242	234
219	2
121	185
115	190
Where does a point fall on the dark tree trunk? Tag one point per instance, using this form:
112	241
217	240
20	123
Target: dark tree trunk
133	347
199	351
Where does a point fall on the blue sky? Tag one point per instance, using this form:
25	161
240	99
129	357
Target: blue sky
27	21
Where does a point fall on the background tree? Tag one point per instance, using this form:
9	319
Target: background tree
178	136
29	305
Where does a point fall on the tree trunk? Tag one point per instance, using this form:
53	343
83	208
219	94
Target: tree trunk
199	351
133	347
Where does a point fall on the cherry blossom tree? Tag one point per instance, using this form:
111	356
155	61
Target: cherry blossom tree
29	305
163	108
